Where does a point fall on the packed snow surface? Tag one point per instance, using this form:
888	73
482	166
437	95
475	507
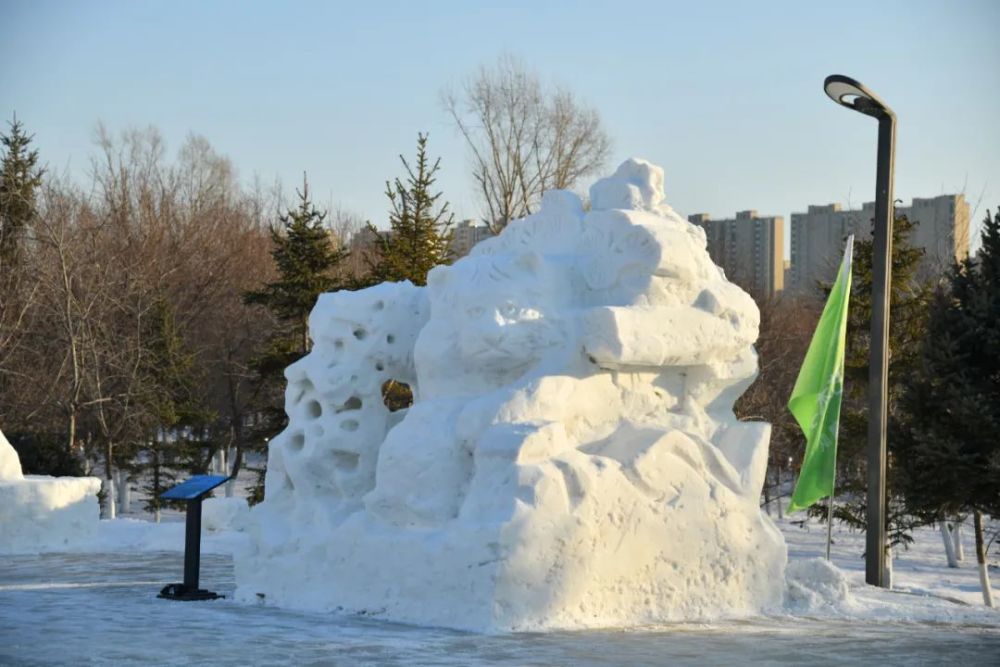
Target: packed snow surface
41	513
69	595
571	459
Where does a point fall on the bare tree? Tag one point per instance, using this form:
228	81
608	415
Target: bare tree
523	138
785	331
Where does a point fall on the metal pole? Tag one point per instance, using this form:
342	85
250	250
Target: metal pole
829	525
878	360
192	544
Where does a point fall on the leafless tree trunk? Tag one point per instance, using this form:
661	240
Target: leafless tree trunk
949	545
984	573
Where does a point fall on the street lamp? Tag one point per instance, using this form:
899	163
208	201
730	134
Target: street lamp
849	93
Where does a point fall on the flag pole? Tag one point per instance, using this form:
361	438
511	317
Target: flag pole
829	520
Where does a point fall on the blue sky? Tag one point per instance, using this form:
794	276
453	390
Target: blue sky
726	96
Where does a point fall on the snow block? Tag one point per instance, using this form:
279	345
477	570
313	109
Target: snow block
39	513
571	459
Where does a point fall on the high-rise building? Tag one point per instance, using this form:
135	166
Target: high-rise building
818	237
465	235
942	230
749	248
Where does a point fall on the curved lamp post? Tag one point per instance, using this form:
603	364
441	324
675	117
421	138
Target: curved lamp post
849	93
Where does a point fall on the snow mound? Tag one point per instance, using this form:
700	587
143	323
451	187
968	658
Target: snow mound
571	458
10	462
40	513
815	583
219	514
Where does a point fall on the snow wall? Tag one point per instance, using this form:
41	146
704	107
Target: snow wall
40	513
571	459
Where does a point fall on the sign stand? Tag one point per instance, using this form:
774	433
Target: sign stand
193	491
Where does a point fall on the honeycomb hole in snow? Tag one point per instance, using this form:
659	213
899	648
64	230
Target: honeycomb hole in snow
390	339
345	461
297	442
349	424
304	387
353	403
396	395
360	333
314	409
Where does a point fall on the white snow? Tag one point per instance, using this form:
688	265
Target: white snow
82	598
814	583
219	514
571	459
10	462
42	513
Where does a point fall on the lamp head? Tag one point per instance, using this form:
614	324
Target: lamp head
850	93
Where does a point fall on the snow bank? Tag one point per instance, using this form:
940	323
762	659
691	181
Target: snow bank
40	513
571	459
219	514
815	583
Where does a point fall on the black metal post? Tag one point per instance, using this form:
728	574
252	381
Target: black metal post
192	544
193	491
878	360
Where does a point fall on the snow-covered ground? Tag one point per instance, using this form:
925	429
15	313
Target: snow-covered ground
98	606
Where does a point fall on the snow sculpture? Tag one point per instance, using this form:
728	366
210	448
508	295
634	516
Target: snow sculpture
41	513
571	458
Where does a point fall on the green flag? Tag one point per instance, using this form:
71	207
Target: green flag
815	401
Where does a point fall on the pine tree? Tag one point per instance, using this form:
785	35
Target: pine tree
419	237
908	308
20	179
949	455
308	261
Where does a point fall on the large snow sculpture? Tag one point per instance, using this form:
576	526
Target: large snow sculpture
40	513
571	458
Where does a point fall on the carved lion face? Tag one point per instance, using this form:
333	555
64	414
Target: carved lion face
499	314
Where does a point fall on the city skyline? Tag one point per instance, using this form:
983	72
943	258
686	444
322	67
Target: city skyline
324	98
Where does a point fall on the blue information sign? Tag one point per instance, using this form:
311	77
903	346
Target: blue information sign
194	487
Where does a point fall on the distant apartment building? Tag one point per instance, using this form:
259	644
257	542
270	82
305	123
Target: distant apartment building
942	230
817	241
749	248
465	235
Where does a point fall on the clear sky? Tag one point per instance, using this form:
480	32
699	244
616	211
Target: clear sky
726	96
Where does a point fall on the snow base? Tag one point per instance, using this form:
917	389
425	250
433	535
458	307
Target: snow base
571	459
40	513
814	584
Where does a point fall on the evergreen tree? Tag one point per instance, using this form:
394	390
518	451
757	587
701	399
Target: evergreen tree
949	454
419	237
908	307
20	179
308	261
172	377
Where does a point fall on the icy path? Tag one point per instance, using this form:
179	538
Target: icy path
98	608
